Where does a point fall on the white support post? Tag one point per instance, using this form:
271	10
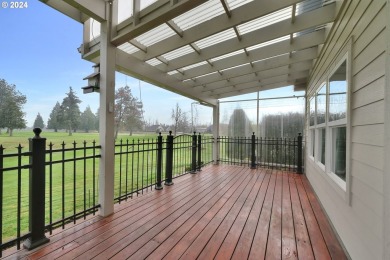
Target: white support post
216	132
386	167
86	39
106	126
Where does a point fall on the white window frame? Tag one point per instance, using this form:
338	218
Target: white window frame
344	122
312	129
319	127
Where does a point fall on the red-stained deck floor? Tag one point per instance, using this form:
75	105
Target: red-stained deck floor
223	212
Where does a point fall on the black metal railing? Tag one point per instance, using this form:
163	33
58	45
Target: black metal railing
275	153
145	164
135	167
72	183
58	185
54	187
14	170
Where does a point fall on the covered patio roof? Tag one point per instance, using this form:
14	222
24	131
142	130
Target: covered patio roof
207	50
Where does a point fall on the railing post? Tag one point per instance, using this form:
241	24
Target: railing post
37	192
253	151
159	162
169	161
199	152
299	164
193	164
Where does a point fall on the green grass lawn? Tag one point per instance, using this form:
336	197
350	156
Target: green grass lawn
134	170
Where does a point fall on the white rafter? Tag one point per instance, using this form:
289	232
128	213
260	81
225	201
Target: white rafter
211	49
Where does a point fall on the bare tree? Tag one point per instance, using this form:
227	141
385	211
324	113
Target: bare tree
176	116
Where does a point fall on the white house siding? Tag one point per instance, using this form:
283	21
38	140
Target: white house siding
359	223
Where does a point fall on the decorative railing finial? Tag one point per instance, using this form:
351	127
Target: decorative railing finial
37	131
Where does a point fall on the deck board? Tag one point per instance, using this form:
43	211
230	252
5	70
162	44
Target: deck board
223	212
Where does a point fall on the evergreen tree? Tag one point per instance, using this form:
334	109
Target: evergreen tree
88	120
128	111
11	104
70	111
53	121
239	127
97	121
39	122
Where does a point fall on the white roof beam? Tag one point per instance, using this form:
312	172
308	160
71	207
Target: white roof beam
218	24
226	8
66	9
136	11
304	66
305	21
129	65
301	42
284	60
94	9
252	86
154	15
259	87
138	45
175	28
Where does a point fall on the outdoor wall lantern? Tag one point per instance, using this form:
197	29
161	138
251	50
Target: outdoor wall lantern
93	81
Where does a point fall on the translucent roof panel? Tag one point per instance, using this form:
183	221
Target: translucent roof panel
307	6
178	52
153	62
173	72
125	10
257	46
234	67
204	75
129	48
200	14
266	20
155	35
268	58
193	66
233	4
216	38
227	55
146	3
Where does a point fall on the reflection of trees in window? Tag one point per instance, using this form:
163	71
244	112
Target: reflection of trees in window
338	94
339	159
312	111
321	105
338	114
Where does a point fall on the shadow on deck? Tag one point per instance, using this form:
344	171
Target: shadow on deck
223	212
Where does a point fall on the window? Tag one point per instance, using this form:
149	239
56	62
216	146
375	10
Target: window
328	125
312	124
337	120
320	123
321	105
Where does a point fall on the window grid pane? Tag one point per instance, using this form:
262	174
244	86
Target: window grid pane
339	147
338	94
312	111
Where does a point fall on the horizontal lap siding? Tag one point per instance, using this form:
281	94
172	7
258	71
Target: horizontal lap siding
360	224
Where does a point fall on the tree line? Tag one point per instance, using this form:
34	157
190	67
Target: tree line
66	115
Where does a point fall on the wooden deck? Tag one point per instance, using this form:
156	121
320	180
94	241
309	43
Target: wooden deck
224	212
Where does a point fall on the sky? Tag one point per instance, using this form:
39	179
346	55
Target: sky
38	54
